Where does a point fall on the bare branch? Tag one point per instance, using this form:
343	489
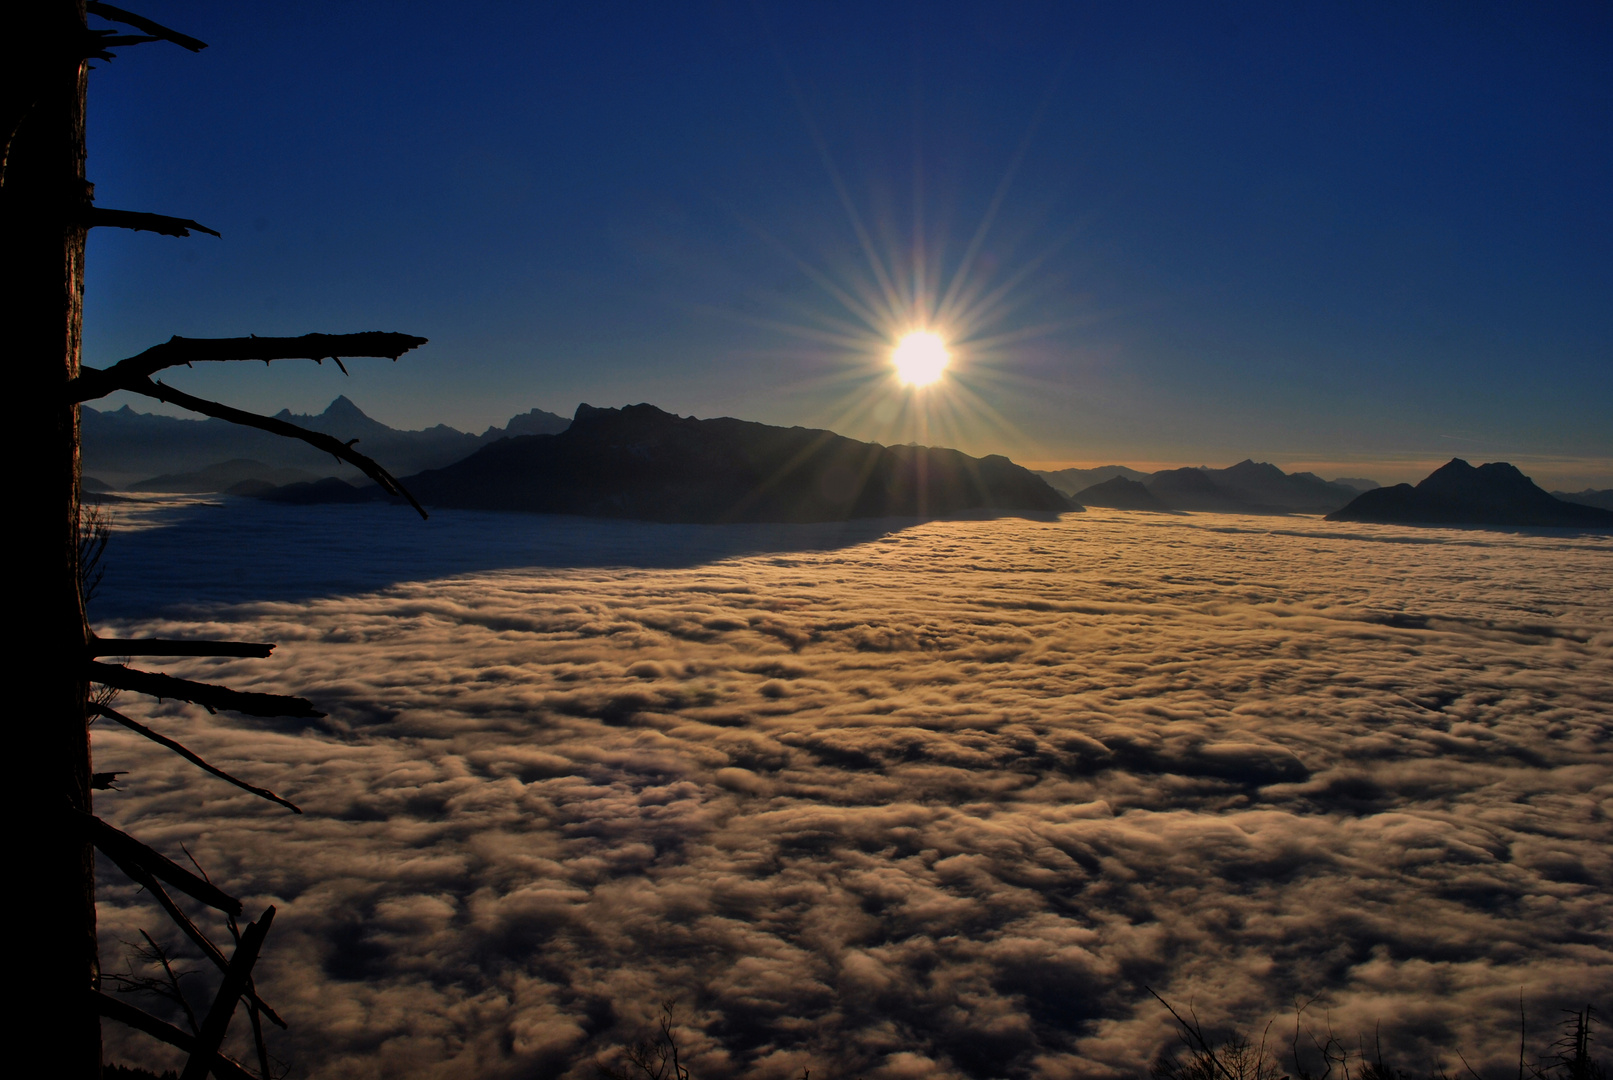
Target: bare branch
127	852
168	987
190	756
140	877
335	447
218	1017
98	382
1197	1034
225	1068
100	646
94	532
140	221
207	695
140	22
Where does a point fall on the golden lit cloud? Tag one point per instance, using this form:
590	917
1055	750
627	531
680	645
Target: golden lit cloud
824	783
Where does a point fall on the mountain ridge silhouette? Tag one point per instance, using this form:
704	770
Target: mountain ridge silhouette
1249	487
1457	493
643	463
138	447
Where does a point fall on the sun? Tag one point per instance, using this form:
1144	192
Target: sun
920	358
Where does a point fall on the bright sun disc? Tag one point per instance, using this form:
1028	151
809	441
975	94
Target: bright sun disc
920	357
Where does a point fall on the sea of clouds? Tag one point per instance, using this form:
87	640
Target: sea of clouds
881	800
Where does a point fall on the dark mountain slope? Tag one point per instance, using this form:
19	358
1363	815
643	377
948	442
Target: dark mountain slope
1249	487
1259	484
1588	497
1119	493
1196	489
639	462
1069	481
223	476
1357	483
1458	494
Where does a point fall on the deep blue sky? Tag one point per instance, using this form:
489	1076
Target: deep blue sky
1355	237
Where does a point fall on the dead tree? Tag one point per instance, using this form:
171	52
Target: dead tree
46	209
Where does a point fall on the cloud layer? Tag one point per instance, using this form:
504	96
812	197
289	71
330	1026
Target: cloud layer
939	803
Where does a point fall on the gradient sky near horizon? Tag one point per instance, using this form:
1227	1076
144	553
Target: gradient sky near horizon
1357	238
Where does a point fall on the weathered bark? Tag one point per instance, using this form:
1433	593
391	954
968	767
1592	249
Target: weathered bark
43	194
45	209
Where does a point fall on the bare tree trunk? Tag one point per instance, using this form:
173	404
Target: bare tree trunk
43	196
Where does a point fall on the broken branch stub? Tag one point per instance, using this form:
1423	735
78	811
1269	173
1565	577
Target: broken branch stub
141	221
160	685
100	646
126	851
218	1017
157	30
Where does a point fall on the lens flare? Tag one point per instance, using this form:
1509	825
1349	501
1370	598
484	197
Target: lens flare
920	358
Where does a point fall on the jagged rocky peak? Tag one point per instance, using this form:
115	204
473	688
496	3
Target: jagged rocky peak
343	409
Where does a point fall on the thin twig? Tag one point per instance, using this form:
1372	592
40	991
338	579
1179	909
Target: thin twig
178	995
191	756
328	443
199	939
1522	1022
1196	1032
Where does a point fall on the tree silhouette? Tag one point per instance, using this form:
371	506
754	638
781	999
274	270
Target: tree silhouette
46	210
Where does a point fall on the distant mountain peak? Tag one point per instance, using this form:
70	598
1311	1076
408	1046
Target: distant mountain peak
344	409
1249	467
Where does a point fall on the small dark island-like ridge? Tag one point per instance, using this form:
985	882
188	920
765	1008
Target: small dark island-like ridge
1458	494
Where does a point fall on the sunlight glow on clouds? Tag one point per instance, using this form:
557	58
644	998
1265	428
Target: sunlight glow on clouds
943	801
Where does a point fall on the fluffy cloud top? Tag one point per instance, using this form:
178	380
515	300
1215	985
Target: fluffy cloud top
938	800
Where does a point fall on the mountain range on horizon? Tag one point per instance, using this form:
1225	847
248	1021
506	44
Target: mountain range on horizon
1249	487
151	452
1252	487
127	449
